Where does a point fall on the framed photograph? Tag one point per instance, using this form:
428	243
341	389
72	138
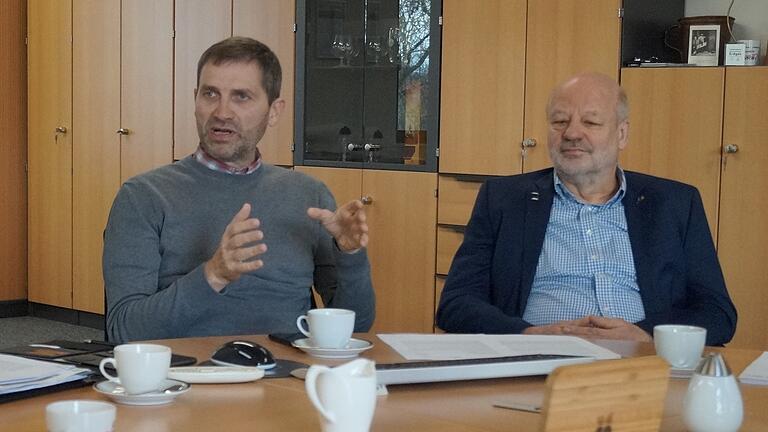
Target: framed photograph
704	45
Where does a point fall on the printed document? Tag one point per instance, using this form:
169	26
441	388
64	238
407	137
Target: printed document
468	346
19	373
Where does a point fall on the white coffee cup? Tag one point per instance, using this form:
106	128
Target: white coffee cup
141	368
80	416
344	396
328	328
680	345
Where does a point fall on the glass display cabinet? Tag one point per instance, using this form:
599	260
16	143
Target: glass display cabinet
367	83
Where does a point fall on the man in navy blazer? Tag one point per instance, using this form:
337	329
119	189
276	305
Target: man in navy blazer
529	262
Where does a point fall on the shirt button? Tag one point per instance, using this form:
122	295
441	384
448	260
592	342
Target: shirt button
589	232
594	257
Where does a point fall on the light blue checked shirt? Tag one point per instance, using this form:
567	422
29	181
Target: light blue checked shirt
585	266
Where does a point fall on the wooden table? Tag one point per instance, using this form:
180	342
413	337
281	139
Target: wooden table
281	404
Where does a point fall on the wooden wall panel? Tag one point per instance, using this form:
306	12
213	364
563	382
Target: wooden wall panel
13	147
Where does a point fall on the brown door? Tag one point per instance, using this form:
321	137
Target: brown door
675	126
50	151
482	86
743	227
96	157
564	38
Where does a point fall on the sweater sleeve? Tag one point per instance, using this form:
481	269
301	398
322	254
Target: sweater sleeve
343	280
137	307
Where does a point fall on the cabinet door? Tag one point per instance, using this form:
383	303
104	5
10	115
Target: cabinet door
146	85
50	152
482	86
368	83
743	232
564	38
401	220
675	127
199	24
95	120
344	184
271	22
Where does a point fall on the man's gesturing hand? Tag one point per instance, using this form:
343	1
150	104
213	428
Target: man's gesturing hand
236	251
347	225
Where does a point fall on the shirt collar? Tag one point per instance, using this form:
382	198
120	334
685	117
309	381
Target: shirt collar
216	165
564	193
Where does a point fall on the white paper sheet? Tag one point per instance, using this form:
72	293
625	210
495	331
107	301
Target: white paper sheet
757	371
19	373
467	346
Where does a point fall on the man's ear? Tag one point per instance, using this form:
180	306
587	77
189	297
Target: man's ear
194	94
623	134
275	110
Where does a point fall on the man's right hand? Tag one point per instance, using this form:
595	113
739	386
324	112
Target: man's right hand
236	251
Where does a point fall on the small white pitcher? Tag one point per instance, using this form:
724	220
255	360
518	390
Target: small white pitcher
344	396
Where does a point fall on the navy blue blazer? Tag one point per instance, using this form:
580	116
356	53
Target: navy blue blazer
675	261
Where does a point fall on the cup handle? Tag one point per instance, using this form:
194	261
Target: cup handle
301	327
310	383
102	365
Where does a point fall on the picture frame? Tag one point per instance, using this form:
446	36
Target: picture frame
704	45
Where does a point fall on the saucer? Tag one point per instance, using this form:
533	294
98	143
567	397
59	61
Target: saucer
117	393
353	348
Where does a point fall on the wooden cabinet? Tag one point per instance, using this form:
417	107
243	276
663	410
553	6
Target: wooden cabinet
200	24
500	62
110	87
122	117
743	226
676	117
401	219
100	112
705	126
49	150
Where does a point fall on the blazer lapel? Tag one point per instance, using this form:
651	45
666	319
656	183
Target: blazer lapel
638	210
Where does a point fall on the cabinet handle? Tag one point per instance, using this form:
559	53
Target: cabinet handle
367	200
61	129
528	143
353	147
123	131
731	148
372	147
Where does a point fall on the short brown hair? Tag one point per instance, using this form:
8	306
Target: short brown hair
245	49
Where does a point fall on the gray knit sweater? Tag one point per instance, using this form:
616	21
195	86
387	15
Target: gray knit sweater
166	223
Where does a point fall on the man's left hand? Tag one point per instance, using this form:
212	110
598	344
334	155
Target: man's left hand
611	328
347	224
594	327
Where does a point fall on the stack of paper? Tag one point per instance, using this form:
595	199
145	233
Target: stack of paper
471	346
19	374
757	372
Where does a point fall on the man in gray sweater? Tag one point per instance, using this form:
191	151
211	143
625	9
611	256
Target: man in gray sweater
185	247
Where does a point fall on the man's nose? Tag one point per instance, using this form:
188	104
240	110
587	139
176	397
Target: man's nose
573	131
223	109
